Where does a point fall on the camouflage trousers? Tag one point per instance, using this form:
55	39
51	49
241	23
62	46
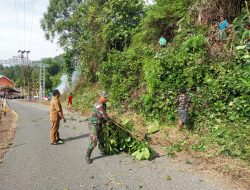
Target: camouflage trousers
95	136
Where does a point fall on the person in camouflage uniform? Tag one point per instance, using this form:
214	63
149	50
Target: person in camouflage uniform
183	102
98	118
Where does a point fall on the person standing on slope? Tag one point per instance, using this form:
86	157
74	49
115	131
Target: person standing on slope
183	103
70	97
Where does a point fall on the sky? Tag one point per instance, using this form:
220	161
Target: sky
20	29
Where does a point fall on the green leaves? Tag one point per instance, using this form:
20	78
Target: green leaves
153	127
57	19
142	154
241	47
194	43
119	140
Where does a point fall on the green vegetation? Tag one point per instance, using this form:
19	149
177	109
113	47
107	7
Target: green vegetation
22	76
54	71
119	138
115	43
28	77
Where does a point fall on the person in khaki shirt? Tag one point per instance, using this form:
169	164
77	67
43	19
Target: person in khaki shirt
56	114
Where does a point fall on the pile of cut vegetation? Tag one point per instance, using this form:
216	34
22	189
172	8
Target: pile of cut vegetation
119	138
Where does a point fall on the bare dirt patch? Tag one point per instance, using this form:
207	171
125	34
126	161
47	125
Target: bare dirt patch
7	131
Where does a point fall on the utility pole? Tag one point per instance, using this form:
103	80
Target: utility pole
24	62
42	81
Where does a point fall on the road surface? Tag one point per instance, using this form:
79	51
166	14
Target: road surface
32	163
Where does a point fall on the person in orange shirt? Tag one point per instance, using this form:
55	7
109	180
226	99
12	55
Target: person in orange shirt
56	114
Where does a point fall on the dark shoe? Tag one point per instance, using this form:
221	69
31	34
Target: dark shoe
54	143
60	142
88	160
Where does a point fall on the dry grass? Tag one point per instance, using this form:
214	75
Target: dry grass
7	131
236	171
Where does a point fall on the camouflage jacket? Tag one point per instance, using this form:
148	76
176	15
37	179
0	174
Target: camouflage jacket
99	114
183	102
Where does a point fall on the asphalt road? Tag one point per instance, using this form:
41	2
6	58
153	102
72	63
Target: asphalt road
32	163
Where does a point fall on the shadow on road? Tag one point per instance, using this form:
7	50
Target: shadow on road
8	147
99	157
77	137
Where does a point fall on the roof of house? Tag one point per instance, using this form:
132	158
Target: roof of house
2	76
9	89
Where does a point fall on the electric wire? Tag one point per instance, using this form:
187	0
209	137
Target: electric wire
17	25
31	28
24	22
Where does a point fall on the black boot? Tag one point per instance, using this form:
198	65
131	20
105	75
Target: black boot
88	154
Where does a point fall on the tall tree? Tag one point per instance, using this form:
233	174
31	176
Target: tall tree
121	21
56	21
90	29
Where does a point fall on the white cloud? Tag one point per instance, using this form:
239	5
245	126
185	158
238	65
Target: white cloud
16	34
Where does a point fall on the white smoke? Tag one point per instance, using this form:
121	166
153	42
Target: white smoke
75	77
149	2
64	85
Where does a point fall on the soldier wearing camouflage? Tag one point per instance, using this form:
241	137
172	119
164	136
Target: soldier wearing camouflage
98	118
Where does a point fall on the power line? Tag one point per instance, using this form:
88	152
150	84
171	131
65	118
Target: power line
24	23
18	40
33	9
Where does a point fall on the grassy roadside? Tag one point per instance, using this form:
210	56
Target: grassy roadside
201	150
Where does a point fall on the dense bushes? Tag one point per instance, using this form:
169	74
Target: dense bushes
116	44
121	74
219	89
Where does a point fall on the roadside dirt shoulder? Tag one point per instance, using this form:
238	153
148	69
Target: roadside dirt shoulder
234	171
7	131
